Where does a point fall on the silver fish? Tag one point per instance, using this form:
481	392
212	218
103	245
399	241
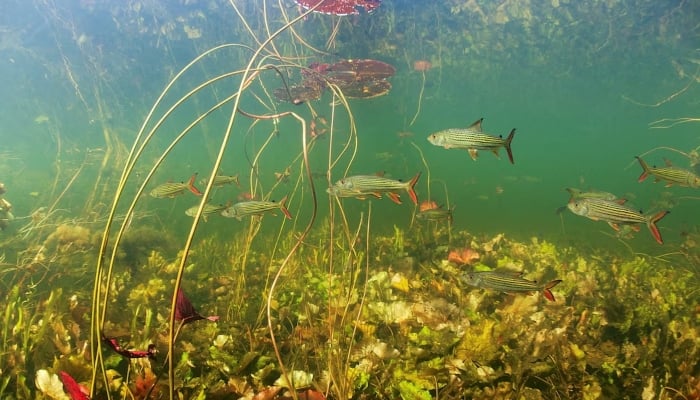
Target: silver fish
587	194
255	207
615	213
508	282
208	210
172	189
435	214
363	185
472	139
670	174
221	180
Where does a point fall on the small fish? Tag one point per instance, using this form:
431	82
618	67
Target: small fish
208	210
172	189
472	139
437	213
253	207
221	180
591	194
363	185
670	174
508	282
615	213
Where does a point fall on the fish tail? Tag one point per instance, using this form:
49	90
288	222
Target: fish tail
509	139
283	207
645	168
191	187
547	291
411	190
652	225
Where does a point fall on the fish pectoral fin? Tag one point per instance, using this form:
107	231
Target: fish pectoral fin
394	197
615	226
473	153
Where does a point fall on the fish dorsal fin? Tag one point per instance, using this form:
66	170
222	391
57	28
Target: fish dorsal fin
668	162
476	125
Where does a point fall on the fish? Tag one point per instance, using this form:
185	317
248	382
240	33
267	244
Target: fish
221	180
670	174
172	189
508	282
472	139
255	207
208	210
590	194
437	213
615	213
363	185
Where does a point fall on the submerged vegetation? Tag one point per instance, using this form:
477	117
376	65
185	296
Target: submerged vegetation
348	292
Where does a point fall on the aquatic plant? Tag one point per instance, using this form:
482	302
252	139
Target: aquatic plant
337	309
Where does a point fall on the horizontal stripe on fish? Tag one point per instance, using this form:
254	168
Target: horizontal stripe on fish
614	213
472	139
670	174
508	282
254	207
172	189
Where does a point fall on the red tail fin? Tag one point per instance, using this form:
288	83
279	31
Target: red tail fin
653	228
547	289
410	189
509	139
645	167
283	207
191	187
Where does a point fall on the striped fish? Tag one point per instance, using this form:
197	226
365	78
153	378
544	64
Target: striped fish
508	282
591	194
221	180
435	214
361	186
255	207
172	189
670	174
208	210
472	139
615	213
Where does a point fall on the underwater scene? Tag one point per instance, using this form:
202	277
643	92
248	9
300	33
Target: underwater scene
350	199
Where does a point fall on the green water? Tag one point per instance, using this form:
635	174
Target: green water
587	86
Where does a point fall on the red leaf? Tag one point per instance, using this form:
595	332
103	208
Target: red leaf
185	312
75	391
